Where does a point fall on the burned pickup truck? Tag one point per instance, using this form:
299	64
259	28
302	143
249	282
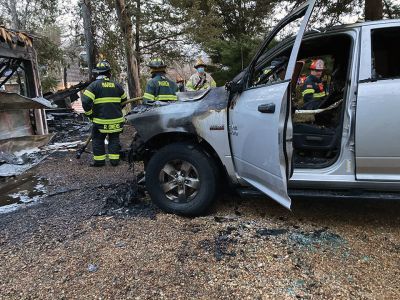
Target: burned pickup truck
256	133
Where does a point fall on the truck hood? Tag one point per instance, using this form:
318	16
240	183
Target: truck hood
178	116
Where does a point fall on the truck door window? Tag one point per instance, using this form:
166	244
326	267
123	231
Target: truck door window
385	53
271	68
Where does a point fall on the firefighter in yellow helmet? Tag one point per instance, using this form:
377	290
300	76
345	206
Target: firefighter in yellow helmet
102	104
200	80
313	90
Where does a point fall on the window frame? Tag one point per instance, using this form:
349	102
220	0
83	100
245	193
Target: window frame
365	63
372	31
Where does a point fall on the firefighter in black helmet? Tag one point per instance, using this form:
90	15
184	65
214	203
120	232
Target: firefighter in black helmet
159	87
102	104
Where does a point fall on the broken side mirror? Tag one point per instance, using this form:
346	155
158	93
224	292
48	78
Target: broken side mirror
233	87
237	84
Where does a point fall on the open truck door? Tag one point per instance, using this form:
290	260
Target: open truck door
260	126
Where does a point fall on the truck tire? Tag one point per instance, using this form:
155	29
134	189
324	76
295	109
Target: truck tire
181	179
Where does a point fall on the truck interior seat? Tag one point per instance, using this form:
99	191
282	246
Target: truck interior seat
312	137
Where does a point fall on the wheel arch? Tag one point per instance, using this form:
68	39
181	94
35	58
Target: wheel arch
160	140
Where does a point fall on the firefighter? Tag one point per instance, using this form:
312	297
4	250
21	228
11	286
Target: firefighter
313	90
159	89
200	80
102	104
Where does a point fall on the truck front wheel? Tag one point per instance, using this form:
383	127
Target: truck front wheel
181	179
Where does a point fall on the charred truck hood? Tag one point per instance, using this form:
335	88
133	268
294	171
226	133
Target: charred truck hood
187	115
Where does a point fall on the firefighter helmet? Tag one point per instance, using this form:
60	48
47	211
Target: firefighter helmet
102	67
157	63
317	64
199	63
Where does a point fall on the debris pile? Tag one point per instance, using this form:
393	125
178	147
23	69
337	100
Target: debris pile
14	164
128	199
67	126
68	132
222	244
316	239
229	242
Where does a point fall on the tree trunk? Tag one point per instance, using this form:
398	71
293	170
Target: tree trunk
373	10
137	30
131	56
65	78
12	6
91	51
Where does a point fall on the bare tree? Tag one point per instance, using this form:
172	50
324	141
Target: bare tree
11	7
373	10
91	50
131	55
137	29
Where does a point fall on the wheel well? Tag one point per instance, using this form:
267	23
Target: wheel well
163	139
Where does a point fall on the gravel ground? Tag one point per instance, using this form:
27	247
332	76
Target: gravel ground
78	244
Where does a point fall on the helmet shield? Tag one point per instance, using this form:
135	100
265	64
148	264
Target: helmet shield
157	63
317	64
102	67
199	63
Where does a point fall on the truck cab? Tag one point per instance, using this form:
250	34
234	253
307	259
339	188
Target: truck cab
255	134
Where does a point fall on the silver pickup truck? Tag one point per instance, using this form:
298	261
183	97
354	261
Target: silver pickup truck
254	135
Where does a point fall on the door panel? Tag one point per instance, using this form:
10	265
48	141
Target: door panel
377	134
261	137
257	141
377	131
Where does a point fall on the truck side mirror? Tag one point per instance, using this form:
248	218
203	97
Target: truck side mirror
234	87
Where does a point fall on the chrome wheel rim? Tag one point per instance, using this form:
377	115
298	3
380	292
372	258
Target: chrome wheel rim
179	180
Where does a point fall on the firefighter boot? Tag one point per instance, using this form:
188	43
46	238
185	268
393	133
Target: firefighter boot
97	164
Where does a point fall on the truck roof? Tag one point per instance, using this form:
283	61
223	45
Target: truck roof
365	23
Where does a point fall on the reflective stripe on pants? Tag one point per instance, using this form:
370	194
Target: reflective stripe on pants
99	151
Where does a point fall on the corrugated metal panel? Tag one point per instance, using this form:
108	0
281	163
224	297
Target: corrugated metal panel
16	101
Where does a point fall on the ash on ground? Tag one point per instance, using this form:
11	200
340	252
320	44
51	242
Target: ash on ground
128	199
68	127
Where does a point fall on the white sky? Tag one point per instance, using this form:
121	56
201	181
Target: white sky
65	20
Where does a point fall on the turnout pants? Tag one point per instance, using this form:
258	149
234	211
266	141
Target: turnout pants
99	151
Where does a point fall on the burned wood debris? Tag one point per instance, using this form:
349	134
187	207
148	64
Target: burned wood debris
23	125
64	98
20	153
28	121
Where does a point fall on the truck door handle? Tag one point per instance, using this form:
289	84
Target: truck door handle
267	108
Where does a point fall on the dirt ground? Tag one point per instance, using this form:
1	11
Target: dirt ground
74	244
